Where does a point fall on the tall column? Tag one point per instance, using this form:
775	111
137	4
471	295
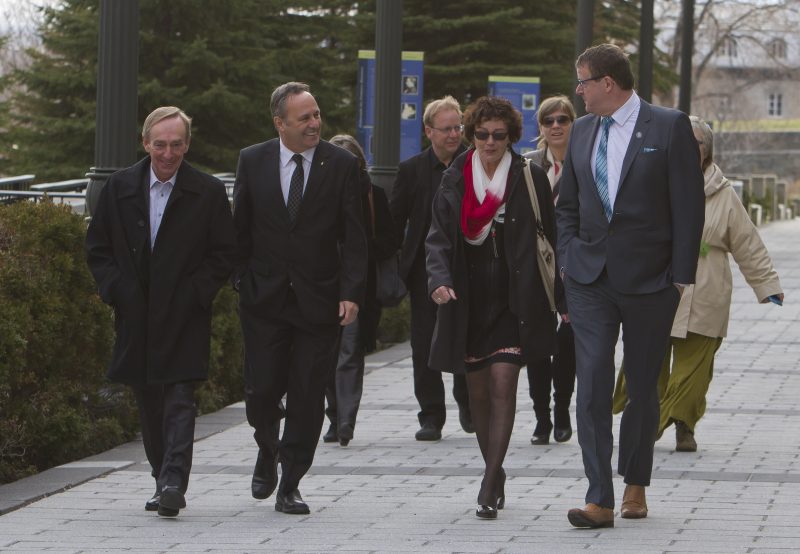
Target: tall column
117	90
646	39
687	49
583	41
388	47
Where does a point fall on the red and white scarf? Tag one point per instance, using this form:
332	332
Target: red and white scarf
484	198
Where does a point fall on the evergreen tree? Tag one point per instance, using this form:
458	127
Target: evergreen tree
219	61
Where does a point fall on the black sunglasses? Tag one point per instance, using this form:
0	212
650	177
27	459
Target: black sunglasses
496	135
561	120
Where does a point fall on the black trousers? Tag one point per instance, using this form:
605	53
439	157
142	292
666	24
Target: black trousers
558	373
428	383
286	355
596	312
167	414
346	380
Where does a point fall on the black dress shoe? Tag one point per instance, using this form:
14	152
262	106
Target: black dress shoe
152	504
345	434
465	419
291	503
428	432
541	434
562	431
330	435
265	475
486	512
171	502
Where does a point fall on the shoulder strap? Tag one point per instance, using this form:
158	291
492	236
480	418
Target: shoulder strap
534	202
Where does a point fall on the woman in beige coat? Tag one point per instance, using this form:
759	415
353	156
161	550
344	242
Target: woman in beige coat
701	321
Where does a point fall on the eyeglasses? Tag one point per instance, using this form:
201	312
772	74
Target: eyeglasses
582	82
561	120
496	135
447	130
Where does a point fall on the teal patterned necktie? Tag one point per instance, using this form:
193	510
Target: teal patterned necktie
601	166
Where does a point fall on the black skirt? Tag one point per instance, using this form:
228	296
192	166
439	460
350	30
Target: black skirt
492	330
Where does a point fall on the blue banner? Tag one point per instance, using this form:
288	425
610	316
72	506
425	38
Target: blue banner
411	108
523	93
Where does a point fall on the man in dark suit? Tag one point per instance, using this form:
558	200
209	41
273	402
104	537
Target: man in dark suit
160	245
300	270
630	216
412	195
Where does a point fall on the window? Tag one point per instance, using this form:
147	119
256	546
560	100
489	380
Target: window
777	48
728	47
775	104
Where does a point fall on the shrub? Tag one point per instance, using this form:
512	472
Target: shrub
55	340
56	335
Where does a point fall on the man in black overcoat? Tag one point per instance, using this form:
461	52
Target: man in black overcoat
418	178
300	271
160	245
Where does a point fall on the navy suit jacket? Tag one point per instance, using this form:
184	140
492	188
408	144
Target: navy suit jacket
653	238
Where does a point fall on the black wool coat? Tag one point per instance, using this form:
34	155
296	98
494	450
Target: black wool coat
161	299
446	265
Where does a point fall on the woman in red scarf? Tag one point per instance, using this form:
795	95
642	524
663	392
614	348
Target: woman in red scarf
493	314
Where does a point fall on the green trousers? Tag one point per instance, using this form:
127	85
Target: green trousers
682	391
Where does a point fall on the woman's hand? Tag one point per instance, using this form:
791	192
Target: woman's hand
443	295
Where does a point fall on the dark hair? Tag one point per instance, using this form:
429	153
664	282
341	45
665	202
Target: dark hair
277	102
608	60
486	108
349	143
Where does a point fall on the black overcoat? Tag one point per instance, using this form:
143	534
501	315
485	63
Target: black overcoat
161	299
446	265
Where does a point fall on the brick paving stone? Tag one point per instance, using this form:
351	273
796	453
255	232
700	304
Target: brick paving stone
387	492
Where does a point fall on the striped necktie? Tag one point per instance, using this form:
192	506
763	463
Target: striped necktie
601	166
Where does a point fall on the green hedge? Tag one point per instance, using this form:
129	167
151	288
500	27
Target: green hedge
56	335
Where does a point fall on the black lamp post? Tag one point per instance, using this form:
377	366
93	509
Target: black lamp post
117	79
388	47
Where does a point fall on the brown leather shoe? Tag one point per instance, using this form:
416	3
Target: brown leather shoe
591	516
634	504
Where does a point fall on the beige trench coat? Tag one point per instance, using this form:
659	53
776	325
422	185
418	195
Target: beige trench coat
705	306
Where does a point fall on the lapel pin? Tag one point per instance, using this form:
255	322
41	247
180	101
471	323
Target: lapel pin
638	134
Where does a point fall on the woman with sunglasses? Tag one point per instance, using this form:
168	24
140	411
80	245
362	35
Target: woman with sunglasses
555	117
493	313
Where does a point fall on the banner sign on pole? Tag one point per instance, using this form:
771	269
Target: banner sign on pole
411	107
523	93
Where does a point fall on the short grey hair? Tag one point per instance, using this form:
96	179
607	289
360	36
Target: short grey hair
165	112
703	129
277	102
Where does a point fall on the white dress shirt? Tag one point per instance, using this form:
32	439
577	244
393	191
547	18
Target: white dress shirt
619	136
159	196
288	166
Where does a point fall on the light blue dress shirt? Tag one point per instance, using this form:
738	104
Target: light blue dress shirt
159	196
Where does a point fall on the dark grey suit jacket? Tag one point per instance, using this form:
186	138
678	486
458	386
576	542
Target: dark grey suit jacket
653	238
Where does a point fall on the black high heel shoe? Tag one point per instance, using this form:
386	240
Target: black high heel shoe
501	489
485	511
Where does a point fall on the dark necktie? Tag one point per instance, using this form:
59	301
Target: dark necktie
601	166
295	188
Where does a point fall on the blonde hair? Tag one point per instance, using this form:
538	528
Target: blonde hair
165	112
439	105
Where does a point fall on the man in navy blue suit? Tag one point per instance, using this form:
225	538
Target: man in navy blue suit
630	216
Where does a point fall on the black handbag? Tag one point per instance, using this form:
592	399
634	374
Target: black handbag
389	287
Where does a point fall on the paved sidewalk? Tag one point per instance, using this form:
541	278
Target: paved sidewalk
388	493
